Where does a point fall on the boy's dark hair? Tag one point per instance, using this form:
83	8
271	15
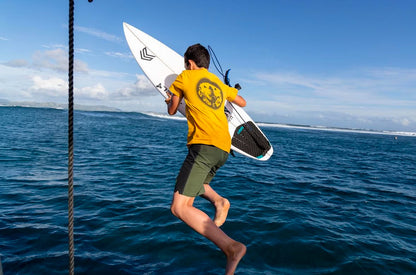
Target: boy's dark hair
199	54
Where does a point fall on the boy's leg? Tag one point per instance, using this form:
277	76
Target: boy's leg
222	205
182	207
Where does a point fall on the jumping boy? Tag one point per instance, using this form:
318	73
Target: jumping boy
209	144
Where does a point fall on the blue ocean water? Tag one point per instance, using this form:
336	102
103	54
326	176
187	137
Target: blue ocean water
325	203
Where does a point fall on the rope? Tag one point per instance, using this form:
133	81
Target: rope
215	61
217	65
71	138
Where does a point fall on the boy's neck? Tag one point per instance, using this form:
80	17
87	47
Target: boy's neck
193	66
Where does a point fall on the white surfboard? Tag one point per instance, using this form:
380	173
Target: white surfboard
162	65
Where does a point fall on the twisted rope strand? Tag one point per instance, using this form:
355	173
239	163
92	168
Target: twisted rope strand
71	138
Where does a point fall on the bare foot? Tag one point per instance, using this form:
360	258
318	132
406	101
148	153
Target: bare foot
221	211
235	253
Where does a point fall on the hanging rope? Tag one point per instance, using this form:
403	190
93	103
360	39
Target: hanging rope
71	138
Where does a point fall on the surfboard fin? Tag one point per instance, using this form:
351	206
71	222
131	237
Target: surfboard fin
226	78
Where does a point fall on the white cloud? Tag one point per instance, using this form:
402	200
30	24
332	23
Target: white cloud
55	87
52	86
98	33
55	46
97	92
395	74
3	38
80	66
367	97
65	47
367	89
120	55
81	50
57	59
44	79
17	63
15	82
403	121
142	87
52	59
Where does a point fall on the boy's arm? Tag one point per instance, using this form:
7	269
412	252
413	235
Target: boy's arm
240	101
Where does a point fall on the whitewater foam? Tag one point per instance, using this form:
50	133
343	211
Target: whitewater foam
305	127
158	115
324	128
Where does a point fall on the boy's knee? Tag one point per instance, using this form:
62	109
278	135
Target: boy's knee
174	208
180	205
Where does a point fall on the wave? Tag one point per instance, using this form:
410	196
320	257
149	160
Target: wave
305	127
180	117
158	115
324	128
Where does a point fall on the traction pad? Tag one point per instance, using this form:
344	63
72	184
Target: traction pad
248	138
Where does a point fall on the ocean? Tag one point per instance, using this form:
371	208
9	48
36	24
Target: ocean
327	202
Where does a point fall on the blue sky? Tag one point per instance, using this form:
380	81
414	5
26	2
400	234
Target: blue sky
329	63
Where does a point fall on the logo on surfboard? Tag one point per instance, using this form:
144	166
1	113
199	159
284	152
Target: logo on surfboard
145	55
210	93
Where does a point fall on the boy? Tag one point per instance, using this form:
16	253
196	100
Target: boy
209	144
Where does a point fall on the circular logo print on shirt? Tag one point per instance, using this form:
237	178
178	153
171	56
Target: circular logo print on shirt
210	93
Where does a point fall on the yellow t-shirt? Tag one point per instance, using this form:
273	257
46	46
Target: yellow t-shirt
205	96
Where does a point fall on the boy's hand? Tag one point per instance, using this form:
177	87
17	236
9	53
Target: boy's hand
169	98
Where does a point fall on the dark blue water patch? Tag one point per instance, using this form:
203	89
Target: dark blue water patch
325	203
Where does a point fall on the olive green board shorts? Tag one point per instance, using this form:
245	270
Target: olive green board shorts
199	167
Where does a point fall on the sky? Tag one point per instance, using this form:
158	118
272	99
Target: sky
349	63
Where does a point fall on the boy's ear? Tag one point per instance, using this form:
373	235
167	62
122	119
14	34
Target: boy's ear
192	65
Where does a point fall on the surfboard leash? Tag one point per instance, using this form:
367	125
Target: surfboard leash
225	75
216	62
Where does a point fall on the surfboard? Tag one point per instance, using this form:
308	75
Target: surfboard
162	65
